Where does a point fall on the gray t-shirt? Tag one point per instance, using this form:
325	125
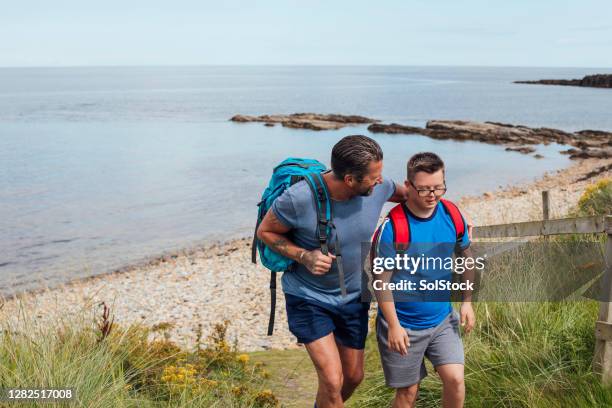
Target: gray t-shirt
355	220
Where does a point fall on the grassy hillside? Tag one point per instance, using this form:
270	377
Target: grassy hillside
109	366
529	354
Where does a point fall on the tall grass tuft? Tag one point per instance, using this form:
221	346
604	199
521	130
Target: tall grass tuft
519	355
111	366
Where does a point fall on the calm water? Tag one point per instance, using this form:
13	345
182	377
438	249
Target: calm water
101	167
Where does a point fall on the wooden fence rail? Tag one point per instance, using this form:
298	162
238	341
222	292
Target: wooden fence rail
602	359
581	225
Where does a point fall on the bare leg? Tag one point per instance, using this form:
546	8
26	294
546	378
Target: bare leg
406	397
453	385
352	369
326	359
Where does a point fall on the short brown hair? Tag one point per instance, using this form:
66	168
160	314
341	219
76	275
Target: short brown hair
425	161
353	154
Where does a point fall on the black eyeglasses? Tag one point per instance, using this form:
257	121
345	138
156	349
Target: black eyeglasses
438	192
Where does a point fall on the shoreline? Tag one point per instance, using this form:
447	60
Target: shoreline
146	262
196	287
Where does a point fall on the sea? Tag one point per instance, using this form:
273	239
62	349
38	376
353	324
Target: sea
103	167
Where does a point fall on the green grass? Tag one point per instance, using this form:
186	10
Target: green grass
128	367
292	376
519	355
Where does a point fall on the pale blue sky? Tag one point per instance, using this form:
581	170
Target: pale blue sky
574	33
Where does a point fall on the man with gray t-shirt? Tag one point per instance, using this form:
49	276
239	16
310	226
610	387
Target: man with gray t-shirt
332	327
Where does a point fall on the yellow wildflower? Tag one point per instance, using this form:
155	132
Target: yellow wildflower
266	398
239	390
243	358
209	383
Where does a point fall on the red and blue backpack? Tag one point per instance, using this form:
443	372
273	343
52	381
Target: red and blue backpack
398	217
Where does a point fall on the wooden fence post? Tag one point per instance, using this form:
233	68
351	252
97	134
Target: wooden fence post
602	359
545	205
545	209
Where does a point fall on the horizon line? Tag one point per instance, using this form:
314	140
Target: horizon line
294	65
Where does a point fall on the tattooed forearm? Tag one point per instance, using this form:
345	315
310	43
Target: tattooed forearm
272	232
280	245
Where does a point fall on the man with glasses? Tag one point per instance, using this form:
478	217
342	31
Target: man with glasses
415	323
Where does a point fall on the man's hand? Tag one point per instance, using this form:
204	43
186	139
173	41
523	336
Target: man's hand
316	262
468	318
400	195
398	339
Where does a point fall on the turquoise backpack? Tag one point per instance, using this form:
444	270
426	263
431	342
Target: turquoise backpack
287	173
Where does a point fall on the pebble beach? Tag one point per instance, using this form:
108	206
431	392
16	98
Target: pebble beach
194	289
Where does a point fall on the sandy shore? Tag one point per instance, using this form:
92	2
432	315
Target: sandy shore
219	282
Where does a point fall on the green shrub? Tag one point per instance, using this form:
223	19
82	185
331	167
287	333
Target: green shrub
111	366
596	199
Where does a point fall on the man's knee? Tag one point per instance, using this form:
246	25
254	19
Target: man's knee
354	377
331	381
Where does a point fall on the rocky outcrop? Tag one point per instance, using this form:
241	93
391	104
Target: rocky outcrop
587	143
596	153
521	149
312	121
596	172
594	81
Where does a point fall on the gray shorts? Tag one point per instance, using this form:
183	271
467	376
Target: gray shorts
441	345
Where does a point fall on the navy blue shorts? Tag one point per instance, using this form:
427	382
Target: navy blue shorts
310	320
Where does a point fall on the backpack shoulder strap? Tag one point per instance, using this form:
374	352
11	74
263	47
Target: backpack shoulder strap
321	198
401	227
325	222
456	217
377	234
375	240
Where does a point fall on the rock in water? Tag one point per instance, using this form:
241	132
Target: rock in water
521	149
593	81
589	143
312	121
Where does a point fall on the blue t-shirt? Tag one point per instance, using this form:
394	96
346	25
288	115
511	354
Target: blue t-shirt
432	239
355	220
